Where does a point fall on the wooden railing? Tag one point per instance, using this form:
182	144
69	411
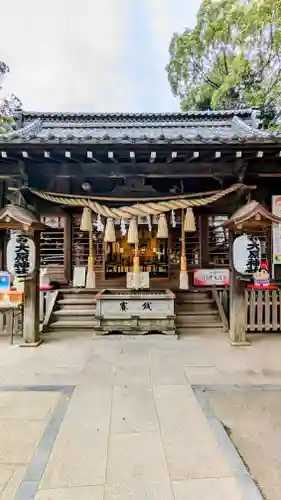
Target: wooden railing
221	299
263	310
223	294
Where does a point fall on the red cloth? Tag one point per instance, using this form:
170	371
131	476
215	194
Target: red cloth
46	288
260	287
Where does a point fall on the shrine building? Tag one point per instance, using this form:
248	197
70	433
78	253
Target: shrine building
154	169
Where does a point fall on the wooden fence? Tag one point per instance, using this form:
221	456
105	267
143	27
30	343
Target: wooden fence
263	310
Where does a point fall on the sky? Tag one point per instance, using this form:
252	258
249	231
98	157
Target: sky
91	55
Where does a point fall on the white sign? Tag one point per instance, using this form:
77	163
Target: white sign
209	277
139	307
20	255
144	280
79	276
246	254
276	231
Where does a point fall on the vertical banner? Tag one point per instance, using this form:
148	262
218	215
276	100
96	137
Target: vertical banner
276	233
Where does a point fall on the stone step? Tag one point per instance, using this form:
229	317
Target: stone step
198	298
77	302
72	325
198	320
74	299
195	306
74	312
204	312
79	291
198	330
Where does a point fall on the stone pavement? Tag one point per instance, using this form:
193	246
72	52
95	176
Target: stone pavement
124	418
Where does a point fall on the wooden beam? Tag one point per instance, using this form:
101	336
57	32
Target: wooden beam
172	156
8	169
111	157
152	157
193	157
90	156
132	156
276	175
88	170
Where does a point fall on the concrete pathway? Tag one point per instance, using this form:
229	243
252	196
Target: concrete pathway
123	418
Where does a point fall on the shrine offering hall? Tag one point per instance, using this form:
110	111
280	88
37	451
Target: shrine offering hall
147	193
214	160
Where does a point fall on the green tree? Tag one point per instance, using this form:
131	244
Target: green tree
231	58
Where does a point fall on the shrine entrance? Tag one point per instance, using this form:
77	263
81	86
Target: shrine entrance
153	254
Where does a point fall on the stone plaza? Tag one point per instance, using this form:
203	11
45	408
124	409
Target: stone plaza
119	418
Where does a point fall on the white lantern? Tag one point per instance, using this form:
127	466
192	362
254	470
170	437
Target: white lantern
246	254
20	255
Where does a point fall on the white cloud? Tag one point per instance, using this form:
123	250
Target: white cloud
67	55
91	55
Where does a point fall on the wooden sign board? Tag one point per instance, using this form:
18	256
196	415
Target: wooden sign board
210	277
79	277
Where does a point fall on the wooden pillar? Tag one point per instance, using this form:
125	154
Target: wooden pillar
204	240
238	306
3	232
68	264
31	334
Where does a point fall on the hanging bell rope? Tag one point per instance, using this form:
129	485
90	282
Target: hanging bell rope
133	236
189	221
162	231
109	233
86	220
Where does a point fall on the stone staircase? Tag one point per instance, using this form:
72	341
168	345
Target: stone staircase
74	310
196	313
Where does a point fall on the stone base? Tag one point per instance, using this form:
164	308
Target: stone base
32	344
244	343
136	325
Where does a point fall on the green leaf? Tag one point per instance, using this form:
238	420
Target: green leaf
231	57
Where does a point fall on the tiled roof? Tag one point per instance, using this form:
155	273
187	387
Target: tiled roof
194	127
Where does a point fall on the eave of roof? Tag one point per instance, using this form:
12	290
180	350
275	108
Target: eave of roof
234	127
